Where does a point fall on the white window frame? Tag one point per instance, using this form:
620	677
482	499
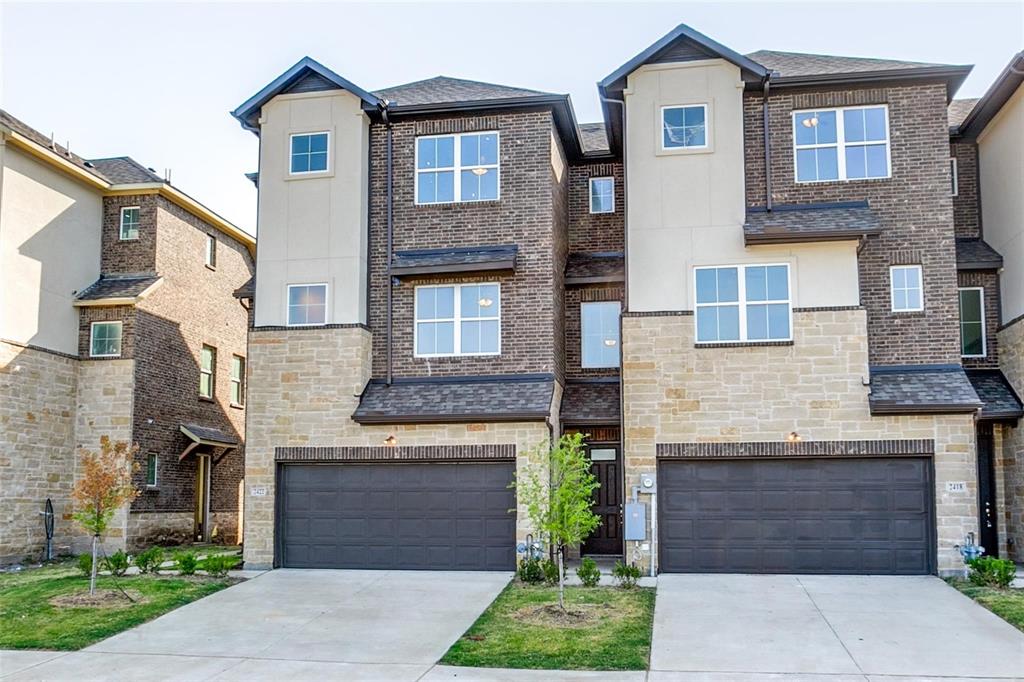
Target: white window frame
954	174
92	333
707	127
309	133
138	225
590	194
583	337
457	168
239	381
456	320
156	469
212	372
287	308
841	144
892	288
211	252
960	325
742	302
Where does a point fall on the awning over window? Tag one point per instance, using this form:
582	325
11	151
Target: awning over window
810	223
921	389
116	290
441	261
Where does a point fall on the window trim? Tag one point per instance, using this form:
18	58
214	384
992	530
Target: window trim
240	381
456	168
892	289
841	144
327	168
955	175
211	251
583	337
742	303
287	306
138	226
960	322
212	372
590	194
662	149
92	335
156	469
456	320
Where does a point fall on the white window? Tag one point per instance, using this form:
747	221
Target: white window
599	334
457	168
105	340
211	251
458	319
684	127
907	295
309	153
743	303
953	179
237	380
841	144
602	195
129	222
307	304
151	464
972	322
207	371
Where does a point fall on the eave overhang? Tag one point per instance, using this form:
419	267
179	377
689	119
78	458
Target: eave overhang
1004	87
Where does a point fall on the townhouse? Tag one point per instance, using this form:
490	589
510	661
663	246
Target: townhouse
741	285
117	319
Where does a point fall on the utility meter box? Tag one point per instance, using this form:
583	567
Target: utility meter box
636	521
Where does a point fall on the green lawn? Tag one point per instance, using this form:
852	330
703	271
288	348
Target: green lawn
1007	604
618	638
31	622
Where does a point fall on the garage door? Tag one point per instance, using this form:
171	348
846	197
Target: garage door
796	516
439	516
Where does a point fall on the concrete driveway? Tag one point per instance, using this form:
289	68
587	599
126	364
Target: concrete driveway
836	628
287	624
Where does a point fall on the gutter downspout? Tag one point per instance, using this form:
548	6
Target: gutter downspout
766	85
390	242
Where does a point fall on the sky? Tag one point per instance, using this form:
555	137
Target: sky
155	81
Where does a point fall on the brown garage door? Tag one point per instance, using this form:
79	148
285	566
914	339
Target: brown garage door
796	516
425	515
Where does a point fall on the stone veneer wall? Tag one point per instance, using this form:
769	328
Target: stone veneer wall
1010	452
674	392
37	427
303	387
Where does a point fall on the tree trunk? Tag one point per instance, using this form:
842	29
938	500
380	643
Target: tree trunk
561	577
92	577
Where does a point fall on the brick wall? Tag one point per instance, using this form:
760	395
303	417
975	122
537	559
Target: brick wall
132	255
966	209
560	179
595	231
1010	455
574	296
913	205
990	282
125	314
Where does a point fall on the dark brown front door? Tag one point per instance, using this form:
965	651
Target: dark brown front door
607	539
987	492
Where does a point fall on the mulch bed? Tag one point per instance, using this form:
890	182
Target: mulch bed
574	616
102	599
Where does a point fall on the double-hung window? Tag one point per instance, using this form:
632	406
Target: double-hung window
457	168
743	303
905	285
307	304
972	322
309	153
237	380
130	219
602	195
207	371
458	319
841	144
105	340
599	334
684	127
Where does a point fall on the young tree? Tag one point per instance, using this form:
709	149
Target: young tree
104	487
558	497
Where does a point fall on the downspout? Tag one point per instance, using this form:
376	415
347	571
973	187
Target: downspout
390	240
767	146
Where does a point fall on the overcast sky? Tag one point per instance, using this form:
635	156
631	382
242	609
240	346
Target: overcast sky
156	81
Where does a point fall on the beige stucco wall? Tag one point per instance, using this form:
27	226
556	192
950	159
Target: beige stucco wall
674	392
1001	171
49	249
303	388
313	228
687	208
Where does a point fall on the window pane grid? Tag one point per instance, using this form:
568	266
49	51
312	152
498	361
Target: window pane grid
307	304
309	153
905	284
105	339
130	222
207	367
457	320
457	168
742	303
684	127
602	195
841	144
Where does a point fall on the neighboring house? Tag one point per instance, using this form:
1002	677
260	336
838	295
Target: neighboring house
741	285
987	142
116	319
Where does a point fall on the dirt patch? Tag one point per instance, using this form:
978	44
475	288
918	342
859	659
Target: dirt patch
574	616
102	599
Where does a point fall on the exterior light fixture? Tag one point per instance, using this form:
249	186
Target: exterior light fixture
391	441
793	437
479	171
610	342
485	302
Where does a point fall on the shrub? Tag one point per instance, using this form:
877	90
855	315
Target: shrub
588	573
550	569
218	565
85	564
626	575
150	560
117	563
186	563
530	571
988	571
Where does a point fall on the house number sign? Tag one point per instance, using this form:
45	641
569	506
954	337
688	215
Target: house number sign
258	491
956	486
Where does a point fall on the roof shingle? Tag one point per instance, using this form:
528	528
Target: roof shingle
958	109
789	64
593	137
999	398
124	170
446	90
921	389
591	402
199	432
810	222
117	287
465	259
976	254
601	266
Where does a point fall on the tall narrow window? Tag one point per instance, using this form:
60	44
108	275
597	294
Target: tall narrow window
309	153
151	464
207	371
953	179
457	168
307	304
459	319
907	294
841	144
972	322
130	222
743	303
105	339
602	195
684	127
599	334
237	380
211	251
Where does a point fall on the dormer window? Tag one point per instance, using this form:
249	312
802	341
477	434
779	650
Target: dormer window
457	168
309	153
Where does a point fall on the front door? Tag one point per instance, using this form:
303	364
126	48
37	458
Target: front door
987	491
607	539
202	500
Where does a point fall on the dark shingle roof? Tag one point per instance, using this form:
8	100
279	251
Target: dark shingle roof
247	290
445	90
117	287
810	223
921	389
976	254
124	170
958	109
593	137
789	64
591	402
525	397
199	432
31	133
463	259
1001	401
602	266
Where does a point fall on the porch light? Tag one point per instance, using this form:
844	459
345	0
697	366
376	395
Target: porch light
391	441
479	171
485	302
793	437
610	342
